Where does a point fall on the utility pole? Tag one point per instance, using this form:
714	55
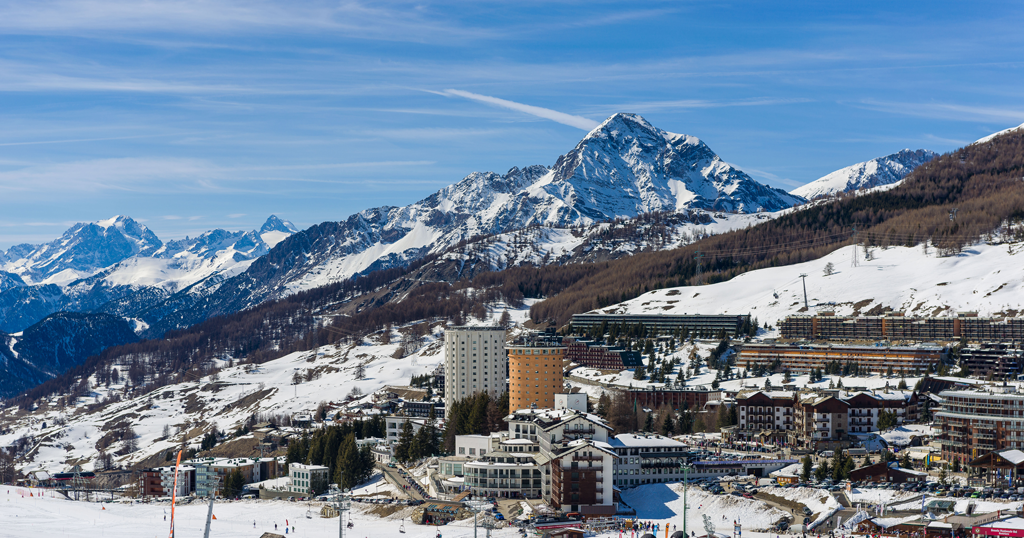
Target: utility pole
700	276
854	262
804	277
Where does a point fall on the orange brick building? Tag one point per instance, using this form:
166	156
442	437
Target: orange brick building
534	375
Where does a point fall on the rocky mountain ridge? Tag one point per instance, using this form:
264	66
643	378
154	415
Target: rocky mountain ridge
878	172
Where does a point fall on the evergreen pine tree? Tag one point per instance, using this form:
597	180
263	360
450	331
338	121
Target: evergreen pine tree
403	449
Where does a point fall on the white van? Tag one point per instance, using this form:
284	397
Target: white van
828	454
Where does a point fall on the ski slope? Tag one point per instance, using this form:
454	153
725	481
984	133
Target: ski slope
984	278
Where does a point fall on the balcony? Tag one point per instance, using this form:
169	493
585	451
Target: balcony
580	457
567	467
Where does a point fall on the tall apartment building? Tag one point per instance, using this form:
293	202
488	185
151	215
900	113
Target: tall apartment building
972	423
534	375
474	361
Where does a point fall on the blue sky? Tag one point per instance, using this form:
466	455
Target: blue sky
192	115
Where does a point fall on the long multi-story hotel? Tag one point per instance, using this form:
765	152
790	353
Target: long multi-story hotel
966	325
474	361
534	375
972	423
802	358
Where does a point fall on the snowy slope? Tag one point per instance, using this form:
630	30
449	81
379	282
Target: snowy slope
874	173
993	135
984	278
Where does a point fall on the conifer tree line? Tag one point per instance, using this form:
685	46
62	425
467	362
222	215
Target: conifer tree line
626	415
475	415
335	448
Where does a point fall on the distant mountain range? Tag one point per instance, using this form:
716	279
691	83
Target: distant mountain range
878	172
94	265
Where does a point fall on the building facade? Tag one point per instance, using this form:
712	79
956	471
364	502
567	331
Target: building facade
307	480
803	358
474	361
695	398
646	459
665	324
765	416
534	375
581	478
966	325
603	357
820	423
972	423
866	407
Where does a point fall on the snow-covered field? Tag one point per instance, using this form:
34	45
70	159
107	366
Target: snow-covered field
902	435
878	496
983	278
50	515
664	502
54	517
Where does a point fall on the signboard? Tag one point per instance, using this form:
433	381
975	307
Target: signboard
996	531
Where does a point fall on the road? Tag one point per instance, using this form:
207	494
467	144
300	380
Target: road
392	475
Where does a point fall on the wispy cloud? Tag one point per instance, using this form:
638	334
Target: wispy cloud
353	19
167	175
946	111
579	122
768	177
682	104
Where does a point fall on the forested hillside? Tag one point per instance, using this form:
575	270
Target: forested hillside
953	201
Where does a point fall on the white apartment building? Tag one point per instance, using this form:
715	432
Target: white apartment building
474	361
303	478
394	425
646	459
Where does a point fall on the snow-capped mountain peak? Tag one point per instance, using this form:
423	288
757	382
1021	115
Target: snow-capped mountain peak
877	172
275	224
657	171
82	250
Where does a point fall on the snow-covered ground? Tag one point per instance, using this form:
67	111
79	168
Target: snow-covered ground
902	435
818	500
48	514
983	278
54	517
879	496
664	502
